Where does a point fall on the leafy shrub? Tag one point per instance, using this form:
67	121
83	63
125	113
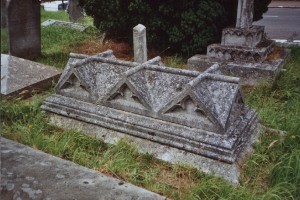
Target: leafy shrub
177	25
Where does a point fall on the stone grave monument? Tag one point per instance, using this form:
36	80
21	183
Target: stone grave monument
244	51
199	119
24	28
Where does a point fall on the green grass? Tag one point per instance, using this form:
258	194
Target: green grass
60	15
4	48
58	42
271	172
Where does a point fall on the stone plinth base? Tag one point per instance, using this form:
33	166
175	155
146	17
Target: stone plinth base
242	37
251	74
227	171
239	53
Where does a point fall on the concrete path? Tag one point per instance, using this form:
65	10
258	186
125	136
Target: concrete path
27	173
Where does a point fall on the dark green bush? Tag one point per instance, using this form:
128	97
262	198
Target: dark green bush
182	26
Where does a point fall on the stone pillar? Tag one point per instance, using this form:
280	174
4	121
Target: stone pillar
3	13
75	11
24	28
244	14
140	43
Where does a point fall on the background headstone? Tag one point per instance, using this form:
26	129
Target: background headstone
3	13
140	43
75	10
24	28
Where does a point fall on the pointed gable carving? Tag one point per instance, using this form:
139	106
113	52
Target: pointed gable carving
124	93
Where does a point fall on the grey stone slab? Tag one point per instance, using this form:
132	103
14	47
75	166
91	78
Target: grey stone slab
20	77
201	113
27	173
53	22
24	29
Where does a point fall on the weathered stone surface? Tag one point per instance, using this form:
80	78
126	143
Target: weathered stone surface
244	14
243	37
75	11
27	173
53	22
140	43
240	53
20	77
201	113
250	74
24	29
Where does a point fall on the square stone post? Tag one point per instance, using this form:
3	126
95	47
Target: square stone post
140	43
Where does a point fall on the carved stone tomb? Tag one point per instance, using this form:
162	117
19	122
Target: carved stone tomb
199	118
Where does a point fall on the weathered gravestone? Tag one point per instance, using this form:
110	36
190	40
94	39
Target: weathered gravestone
75	11
3	13
185	116
24	28
244	52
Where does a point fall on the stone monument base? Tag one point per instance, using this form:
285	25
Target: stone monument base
251	73
241	53
21	78
229	172
242	37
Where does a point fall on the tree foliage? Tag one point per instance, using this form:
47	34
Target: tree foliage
182	26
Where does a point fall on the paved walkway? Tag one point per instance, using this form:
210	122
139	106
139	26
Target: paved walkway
27	173
284	4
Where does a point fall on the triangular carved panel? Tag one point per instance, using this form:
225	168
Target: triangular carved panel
73	81
73	84
125	95
187	106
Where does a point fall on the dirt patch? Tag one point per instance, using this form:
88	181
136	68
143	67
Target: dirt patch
277	53
122	50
